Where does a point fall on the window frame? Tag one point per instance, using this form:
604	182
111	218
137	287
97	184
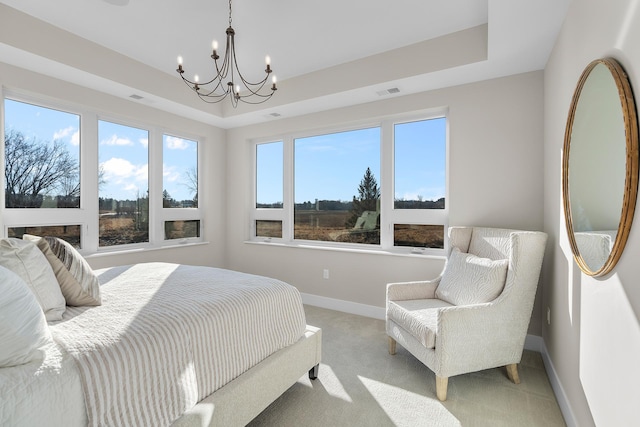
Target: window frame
177	214
88	213
389	215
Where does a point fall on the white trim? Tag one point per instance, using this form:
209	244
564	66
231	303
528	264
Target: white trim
558	390
344	306
532	342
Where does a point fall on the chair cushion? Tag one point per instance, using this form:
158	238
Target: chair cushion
468	279
419	317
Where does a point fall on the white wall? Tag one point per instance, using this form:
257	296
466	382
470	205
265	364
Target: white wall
213	168
496	156
594	337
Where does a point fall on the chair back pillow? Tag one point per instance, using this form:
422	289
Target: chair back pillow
469	279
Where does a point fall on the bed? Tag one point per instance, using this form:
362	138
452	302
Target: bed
167	344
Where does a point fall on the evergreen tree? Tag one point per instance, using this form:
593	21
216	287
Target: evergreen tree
367	200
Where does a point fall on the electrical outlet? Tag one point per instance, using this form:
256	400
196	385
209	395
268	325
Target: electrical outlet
325	273
548	316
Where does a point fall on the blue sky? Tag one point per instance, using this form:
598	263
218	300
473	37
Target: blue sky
330	167
123	150
327	167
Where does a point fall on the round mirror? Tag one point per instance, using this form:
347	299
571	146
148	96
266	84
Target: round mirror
600	166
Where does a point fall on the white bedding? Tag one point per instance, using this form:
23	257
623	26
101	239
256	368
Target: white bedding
44	392
124	365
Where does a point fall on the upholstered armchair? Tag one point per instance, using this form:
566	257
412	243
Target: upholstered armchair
475	315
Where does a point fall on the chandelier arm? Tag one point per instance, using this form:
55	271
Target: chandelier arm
266	98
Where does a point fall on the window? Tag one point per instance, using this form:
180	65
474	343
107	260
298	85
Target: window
96	183
419	149
377	186
181	229
41	157
70	233
336	190
179	172
269	190
180	214
269	179
123	184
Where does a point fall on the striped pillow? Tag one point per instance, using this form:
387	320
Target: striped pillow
77	281
468	279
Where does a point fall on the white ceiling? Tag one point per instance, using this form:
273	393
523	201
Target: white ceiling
301	37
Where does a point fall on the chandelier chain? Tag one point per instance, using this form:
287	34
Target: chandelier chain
229	12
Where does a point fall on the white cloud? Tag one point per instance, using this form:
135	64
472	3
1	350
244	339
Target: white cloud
123	176
118	168
63	133
131	188
170	173
142	173
75	138
114	140
174	143
144	142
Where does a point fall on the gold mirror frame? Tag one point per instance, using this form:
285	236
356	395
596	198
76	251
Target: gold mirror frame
631	174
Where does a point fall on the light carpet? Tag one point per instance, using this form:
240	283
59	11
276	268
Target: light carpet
360	384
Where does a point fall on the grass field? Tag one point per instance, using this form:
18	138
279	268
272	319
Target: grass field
329	226
120	230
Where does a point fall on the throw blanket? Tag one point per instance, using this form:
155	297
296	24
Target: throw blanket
168	335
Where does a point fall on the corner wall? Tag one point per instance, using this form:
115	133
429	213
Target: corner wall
496	154
593	341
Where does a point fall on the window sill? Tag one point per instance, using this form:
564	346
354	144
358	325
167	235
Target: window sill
139	249
429	254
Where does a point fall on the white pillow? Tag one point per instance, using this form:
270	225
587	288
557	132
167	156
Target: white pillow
26	260
468	279
23	327
77	281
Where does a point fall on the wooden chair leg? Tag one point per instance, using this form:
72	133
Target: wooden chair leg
512	373
392	346
441	388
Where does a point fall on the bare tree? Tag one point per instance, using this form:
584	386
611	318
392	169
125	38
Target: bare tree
192	183
35	169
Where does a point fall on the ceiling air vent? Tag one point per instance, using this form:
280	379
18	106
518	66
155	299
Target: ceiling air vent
134	96
389	91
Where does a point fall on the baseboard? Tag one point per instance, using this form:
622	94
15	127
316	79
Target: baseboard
344	306
532	342
558	390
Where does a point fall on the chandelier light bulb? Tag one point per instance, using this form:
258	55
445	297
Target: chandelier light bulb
196	78
267	60
237	89
214	44
179	60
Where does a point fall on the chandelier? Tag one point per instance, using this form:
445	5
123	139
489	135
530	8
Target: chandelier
228	79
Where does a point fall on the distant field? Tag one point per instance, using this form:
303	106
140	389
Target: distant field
120	230
329	226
